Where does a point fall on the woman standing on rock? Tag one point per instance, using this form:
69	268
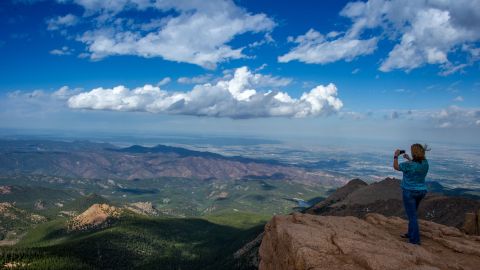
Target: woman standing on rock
413	185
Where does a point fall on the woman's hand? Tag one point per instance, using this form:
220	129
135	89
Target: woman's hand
406	156
395	160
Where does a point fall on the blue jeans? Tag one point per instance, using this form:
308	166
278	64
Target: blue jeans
411	200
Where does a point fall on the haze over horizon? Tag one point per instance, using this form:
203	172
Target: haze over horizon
329	70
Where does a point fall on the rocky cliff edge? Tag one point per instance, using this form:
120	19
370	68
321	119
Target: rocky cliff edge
303	241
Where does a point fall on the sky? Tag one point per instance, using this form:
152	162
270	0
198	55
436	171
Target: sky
376	70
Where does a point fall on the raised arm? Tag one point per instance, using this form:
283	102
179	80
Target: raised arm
395	160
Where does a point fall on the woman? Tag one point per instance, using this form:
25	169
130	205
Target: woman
413	185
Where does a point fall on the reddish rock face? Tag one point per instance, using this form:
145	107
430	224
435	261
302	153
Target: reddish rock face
96	216
472	223
303	241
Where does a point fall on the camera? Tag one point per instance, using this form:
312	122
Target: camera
401	152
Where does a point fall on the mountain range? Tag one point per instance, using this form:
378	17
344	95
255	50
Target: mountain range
105	161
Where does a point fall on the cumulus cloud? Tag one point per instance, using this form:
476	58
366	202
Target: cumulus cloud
428	32
197	32
235	98
432	34
61	22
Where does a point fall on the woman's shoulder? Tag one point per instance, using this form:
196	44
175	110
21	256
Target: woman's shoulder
425	163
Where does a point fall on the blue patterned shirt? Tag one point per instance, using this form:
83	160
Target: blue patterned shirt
414	174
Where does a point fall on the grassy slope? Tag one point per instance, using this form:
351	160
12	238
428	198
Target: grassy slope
138	242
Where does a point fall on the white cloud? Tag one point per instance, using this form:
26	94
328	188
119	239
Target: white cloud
65	50
62	21
428	32
109	6
164	81
201	79
353	115
430	37
198	32
266	40
262	67
65	92
458	99
451	117
27	95
314	48
445	125
255	79
455	116
234	98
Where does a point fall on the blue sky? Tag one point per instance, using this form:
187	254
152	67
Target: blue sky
375	69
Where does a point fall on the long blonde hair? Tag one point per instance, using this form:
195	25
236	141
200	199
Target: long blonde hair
418	152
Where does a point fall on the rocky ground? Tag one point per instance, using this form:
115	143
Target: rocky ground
303	241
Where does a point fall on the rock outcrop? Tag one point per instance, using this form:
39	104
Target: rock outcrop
341	193
472	223
9	214
142	208
97	216
40	205
303	241
5	190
